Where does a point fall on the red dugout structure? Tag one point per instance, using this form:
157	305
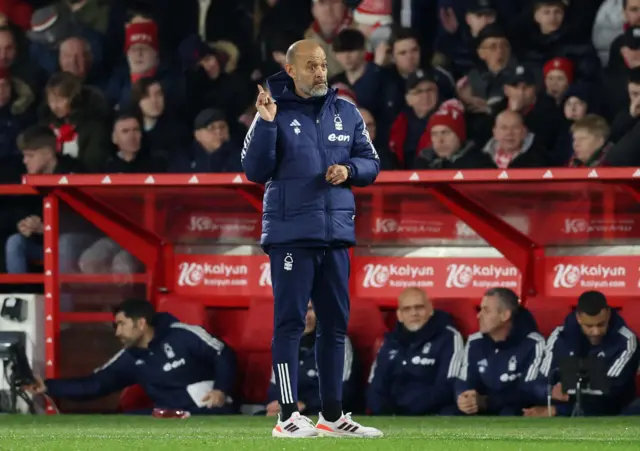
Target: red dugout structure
549	234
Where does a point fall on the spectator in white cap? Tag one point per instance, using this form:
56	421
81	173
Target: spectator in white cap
330	18
373	18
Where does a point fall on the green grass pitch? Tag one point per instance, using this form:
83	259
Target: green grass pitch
97	433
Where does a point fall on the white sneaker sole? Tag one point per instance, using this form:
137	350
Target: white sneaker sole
278	434
323	433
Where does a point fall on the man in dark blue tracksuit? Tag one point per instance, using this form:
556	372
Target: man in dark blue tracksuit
308	383
179	366
594	330
500	372
309	148
418	363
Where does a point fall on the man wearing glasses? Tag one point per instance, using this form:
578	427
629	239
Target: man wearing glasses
417	365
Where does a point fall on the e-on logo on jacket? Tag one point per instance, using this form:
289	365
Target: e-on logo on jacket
340	138
173	365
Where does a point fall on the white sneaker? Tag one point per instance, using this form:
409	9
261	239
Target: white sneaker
297	426
345	427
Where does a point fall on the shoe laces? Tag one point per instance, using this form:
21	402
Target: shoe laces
307	420
347	417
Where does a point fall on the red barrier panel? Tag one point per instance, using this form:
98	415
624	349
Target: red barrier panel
544	233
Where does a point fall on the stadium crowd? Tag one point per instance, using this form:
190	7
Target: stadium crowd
137	86
114	86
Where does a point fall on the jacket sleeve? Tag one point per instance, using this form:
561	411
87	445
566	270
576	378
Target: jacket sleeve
259	152
531	390
621	375
625	363
378	402
115	375
364	160
217	355
441	393
469	377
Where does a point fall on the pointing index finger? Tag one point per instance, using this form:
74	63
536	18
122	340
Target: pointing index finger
260	89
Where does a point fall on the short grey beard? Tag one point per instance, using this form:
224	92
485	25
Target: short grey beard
318	91
413	327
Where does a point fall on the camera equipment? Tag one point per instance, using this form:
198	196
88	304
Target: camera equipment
14	309
17	371
583	376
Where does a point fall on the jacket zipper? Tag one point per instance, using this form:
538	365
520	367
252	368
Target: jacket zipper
323	155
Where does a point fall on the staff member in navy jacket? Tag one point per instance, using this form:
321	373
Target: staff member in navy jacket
309	148
166	357
418	363
593	330
308	387
500	372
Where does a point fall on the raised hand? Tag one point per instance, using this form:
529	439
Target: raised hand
265	105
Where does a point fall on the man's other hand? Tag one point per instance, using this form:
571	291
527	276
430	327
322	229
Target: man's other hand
539	411
468	402
37	388
265	105
337	174
215	398
273	408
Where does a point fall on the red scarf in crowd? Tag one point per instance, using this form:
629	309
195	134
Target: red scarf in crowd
503	159
150	73
66	136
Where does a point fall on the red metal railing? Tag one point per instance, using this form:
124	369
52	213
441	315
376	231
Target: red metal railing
443	224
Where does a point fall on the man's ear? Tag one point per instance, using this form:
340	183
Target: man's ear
290	70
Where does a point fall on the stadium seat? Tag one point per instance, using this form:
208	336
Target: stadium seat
134	398
390	319
549	313
186	310
366	326
464	312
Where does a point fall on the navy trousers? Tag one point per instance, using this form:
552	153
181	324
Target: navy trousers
299	275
